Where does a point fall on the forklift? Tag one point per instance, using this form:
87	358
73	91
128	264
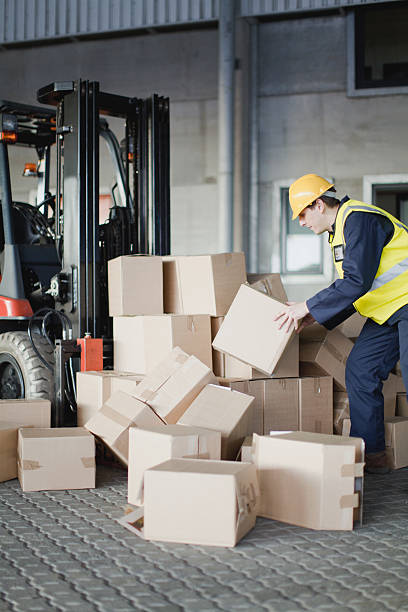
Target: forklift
54	315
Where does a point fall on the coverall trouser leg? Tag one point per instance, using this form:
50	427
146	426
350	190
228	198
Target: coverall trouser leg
373	356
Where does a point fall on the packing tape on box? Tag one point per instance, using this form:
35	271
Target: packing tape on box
29	464
353	469
317	388
115	416
334	352
190	324
247	500
88	462
350	501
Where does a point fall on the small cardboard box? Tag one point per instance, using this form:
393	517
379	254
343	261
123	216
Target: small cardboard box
249	332
8	452
328	356
112	422
246	450
149	447
202	284
224	410
173	384
93	389
26	412
227	366
309	479
54	459
140	342
196	501
402	405
135	285
396	441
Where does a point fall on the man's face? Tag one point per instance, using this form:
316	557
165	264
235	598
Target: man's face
313	218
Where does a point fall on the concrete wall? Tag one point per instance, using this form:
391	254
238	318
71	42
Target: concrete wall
306	121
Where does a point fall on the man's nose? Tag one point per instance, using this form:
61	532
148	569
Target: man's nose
302	222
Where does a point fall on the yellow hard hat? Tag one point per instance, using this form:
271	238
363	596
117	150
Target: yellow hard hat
306	190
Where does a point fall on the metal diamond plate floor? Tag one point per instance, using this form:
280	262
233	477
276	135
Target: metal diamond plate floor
63	551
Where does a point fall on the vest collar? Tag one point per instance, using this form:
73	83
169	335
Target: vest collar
333	227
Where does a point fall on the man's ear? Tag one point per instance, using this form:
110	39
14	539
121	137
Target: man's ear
320	205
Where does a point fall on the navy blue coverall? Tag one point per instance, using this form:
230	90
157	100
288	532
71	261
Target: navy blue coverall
378	347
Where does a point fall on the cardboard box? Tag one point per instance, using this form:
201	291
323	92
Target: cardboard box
26	412
173	384
93	389
249	332
328	356
396	441
316	404
54	459
227	366
304	404
140	342
402	405
202	284
135	285
127	384
350	328
112	422
309	479
196	501
246	450
149	447
271	284
224	410
8	452
341	412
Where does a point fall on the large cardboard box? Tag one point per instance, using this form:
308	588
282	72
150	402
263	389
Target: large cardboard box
396	441
271	284
58	458
26	412
173	384
196	501
226	366
224	410
139	343
93	389
328	356
249	332
149	447
202	284
112	422
8	452
316	404
293	404
135	285
309	479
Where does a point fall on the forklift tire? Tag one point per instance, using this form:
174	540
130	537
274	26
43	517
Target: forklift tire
22	373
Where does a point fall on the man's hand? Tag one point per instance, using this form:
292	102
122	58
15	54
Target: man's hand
291	314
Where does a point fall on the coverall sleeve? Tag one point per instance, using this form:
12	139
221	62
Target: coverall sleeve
365	237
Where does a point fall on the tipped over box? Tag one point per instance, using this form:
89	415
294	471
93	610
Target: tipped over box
196	501
149	447
250	333
309	479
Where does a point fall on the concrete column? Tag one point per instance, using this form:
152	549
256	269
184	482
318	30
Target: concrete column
226	92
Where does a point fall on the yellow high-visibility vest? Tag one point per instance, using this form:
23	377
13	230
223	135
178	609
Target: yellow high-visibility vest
389	290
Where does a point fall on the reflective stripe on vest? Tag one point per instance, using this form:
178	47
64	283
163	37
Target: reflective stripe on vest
389	290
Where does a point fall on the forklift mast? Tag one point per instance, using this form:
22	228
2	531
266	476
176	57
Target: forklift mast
140	225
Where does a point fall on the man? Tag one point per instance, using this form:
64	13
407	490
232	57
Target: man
370	253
